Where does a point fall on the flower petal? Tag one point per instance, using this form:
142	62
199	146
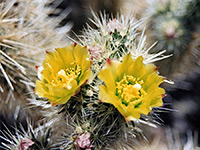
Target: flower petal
131	86
66	54
82	57
107	96
109	74
64	71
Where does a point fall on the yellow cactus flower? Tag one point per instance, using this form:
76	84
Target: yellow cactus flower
64	71
131	86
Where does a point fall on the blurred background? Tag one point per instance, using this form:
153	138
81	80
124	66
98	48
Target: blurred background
174	24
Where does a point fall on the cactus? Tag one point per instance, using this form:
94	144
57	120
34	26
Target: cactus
82	105
101	92
26	33
172	23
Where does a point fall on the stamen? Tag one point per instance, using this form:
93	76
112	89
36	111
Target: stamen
66	75
129	90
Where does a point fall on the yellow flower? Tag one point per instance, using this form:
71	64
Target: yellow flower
64	71
132	87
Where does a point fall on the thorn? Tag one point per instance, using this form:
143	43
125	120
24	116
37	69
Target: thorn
75	44
33	90
46	52
101	101
108	61
85	46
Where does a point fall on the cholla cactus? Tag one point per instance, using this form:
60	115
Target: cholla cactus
172	23
115	38
102	88
26	32
30	139
166	27
24	24
191	14
96	94
170	140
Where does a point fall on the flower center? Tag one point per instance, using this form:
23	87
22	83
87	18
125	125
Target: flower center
129	90
66	75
